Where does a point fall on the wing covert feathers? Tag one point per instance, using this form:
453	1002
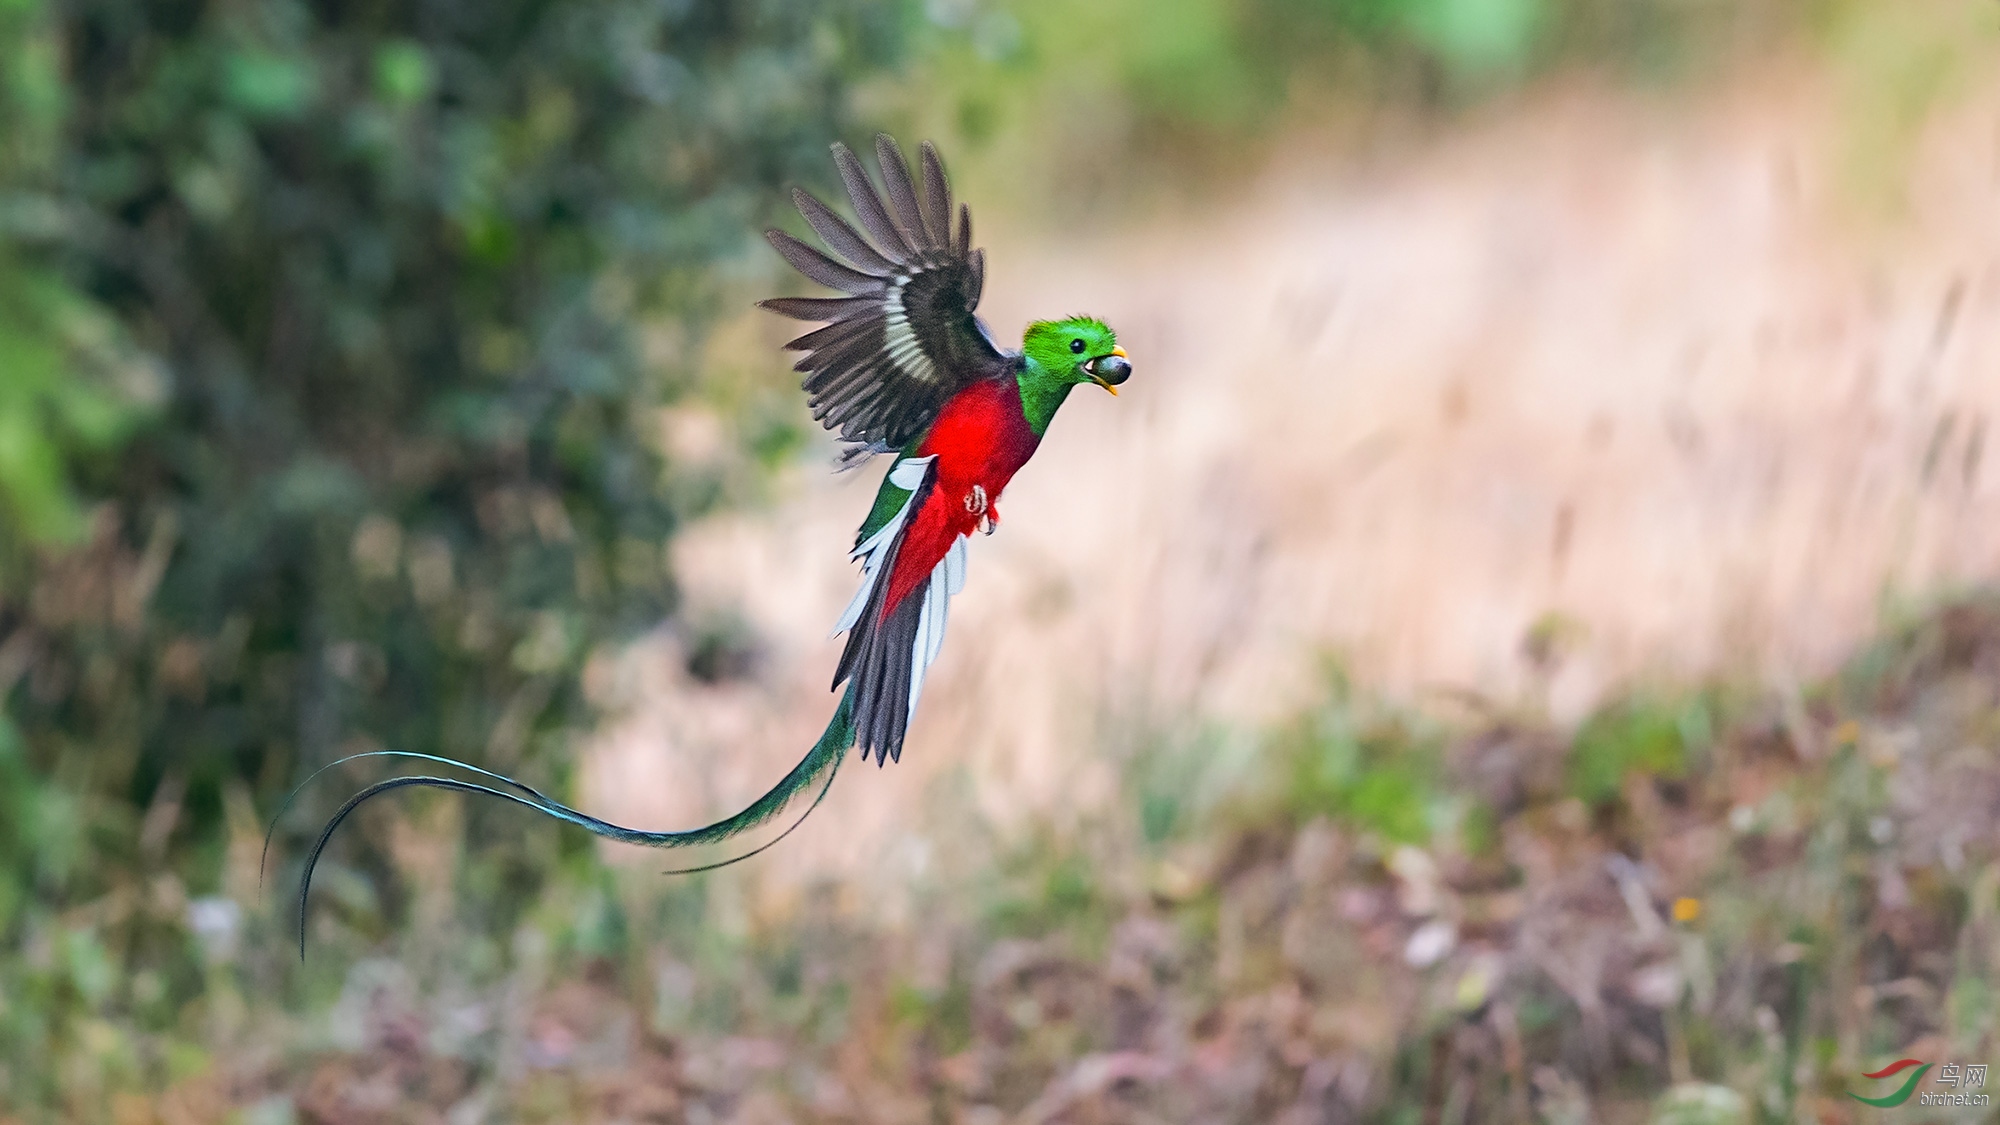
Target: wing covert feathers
906	339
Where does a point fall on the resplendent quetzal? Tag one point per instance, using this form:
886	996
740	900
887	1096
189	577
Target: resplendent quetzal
904	366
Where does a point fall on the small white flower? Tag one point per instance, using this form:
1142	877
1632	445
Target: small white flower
1432	942
217	923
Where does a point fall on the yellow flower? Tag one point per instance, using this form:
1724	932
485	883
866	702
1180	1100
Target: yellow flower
1687	909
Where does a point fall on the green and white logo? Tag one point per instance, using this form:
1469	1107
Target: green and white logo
1959	1082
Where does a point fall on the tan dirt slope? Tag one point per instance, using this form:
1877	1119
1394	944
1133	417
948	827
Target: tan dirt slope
1652	374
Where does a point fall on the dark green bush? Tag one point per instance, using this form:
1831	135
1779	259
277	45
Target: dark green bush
408	270
333	339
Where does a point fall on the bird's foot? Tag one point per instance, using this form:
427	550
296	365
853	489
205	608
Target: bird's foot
987	513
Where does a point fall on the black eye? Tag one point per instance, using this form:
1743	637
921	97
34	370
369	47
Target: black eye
1076	346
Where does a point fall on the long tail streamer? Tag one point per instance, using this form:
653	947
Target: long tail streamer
823	759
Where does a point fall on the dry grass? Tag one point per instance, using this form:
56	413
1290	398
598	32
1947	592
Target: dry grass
1780	901
1591	392
1589	395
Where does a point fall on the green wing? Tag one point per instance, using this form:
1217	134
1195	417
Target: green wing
889	500
905	339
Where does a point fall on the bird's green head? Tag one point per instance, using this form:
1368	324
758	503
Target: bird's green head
1077	349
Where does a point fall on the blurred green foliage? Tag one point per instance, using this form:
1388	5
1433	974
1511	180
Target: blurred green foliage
1148	88
1375	766
68	386
1894	64
1637	736
1090	108
333	342
50	409
1769	898
332	345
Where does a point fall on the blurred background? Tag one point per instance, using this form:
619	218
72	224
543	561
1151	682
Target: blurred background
1522	648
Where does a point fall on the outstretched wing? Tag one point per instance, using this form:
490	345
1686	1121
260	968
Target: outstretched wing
905	339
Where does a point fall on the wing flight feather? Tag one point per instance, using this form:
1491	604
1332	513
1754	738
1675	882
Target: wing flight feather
907	338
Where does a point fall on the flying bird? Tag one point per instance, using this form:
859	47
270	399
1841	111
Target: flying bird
902	365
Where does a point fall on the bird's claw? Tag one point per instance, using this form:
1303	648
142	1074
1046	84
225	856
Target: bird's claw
988	516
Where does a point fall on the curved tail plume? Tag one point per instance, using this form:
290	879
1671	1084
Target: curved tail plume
823	760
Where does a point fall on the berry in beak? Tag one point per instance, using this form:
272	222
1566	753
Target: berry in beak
1108	371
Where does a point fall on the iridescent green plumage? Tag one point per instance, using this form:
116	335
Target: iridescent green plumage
901	364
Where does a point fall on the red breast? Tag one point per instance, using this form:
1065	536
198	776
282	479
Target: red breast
980	437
